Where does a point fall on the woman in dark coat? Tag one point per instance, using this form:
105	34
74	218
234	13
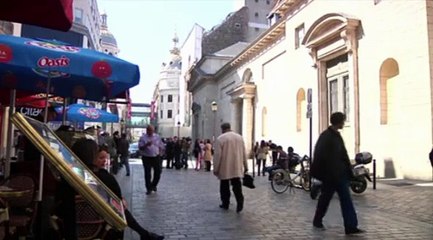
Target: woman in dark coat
95	157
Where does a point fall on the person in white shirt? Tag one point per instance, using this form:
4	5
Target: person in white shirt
151	147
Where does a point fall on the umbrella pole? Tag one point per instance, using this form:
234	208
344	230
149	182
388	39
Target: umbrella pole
64	111
7	164
41	170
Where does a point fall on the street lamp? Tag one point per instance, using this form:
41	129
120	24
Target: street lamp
214	108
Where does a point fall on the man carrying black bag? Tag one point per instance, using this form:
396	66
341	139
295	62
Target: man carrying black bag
331	165
230	164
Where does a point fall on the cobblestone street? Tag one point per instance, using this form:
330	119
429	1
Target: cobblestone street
186	207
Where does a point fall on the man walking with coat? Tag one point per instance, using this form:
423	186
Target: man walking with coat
230	164
331	165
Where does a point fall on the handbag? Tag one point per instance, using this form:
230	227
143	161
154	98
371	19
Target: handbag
248	181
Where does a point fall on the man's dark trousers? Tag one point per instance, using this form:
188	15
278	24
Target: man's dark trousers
225	192
347	208
148	164
274	157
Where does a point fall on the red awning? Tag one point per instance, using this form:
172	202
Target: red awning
5	95
54	14
34	101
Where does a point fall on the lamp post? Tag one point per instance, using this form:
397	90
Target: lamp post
214	108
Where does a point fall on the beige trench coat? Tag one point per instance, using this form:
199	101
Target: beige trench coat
230	158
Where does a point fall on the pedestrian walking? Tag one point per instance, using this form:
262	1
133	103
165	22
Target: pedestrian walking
262	153
207	156
111	144
198	154
169	152
186	144
123	150
151	146
331	165
230	165
177	151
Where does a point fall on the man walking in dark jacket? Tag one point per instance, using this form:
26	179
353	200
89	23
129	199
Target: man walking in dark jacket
331	165
123	150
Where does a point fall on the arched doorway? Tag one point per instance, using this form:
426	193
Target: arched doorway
333	43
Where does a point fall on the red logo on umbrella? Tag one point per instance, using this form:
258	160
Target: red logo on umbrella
5	53
101	69
89	112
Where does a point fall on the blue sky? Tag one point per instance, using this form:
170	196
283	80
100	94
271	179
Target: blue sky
144	30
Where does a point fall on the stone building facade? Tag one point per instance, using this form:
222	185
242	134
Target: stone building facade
219	45
234	29
166	95
369	59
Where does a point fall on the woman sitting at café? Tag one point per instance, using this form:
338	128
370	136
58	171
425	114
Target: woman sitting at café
95	158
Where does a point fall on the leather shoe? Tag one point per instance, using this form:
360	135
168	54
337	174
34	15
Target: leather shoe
148	192
224	207
154	189
318	225
354	231
152	236
239	208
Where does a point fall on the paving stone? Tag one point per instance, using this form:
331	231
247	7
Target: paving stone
186	207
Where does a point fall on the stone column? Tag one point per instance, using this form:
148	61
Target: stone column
247	121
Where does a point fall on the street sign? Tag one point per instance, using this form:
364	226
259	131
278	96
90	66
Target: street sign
309	110
309	104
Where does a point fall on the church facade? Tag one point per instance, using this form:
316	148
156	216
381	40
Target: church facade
368	59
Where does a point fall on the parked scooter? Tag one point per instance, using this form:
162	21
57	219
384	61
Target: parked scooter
361	174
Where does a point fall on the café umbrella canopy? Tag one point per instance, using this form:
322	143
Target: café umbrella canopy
39	66
52	67
83	113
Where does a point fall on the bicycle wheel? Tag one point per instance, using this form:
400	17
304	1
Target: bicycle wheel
305	181
278	183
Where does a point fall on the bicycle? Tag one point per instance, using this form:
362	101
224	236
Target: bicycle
281	178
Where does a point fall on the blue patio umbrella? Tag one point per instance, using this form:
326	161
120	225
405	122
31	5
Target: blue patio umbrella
83	113
39	66
51	67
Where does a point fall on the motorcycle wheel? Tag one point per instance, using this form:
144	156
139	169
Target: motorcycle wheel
278	183
358	185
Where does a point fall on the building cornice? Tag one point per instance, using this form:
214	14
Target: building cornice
243	90
271	35
198	77
283	7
